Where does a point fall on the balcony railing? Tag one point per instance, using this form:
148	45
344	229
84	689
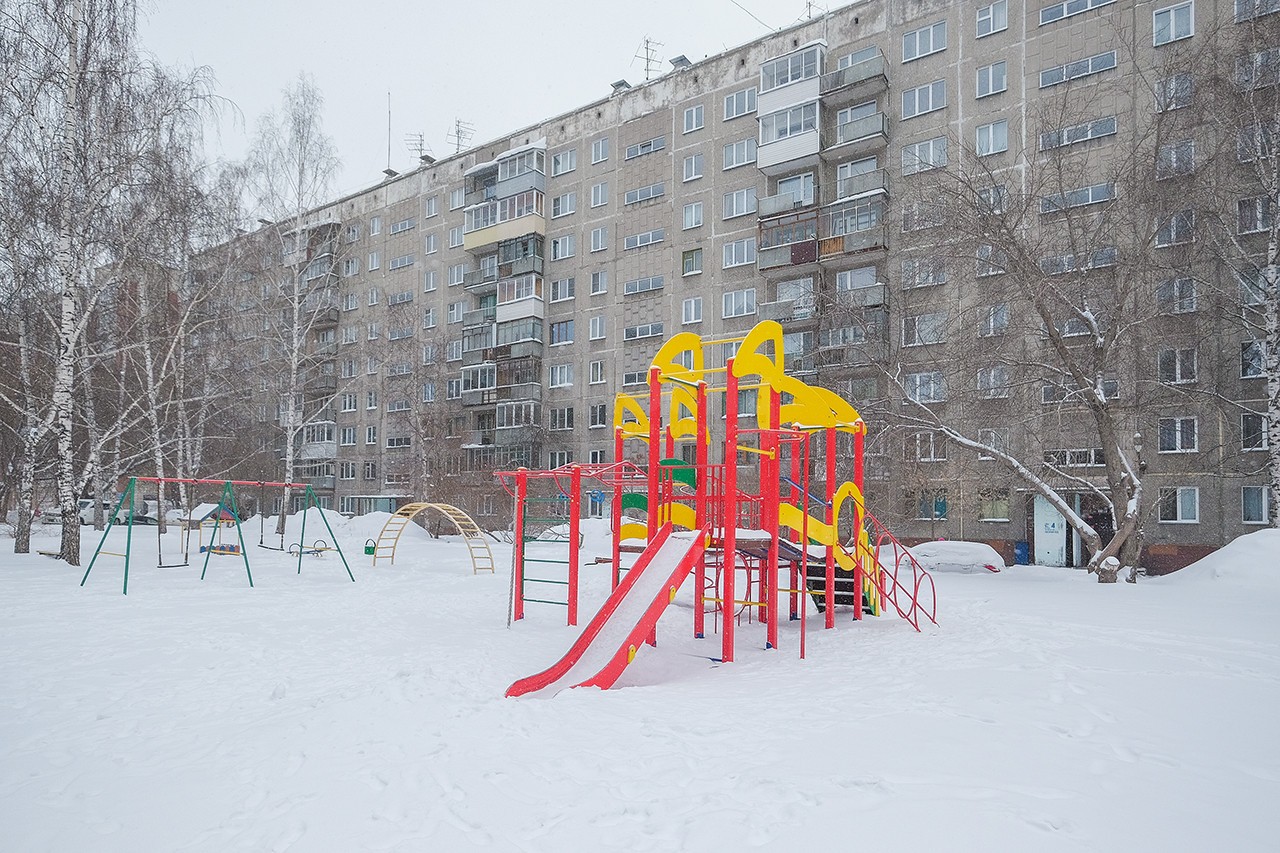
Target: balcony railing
871	240
775	205
479	316
327	482
326	317
869	75
482	276
787	310
856	185
872	130
790	255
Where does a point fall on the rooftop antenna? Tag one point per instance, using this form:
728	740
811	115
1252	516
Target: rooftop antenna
649	53
417	144
388	169
461	134
810	6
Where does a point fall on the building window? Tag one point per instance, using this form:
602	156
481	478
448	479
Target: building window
691	310
739	203
692	215
993	18
1178	228
371	435
374	331
790	69
457	198
371	470
691	262
456	237
993	320
563	162
992	79
562	418
923	272
636	241
924	329
563	205
1081	197
563	289
599	415
1082	132
599	239
922	156
560	332
1176	296
560	375
403	225
429	244
1177	435
740	252
1255	504
453	389
993	382
932	505
599	282
428	392
375	262
693	119
398	441
739	303
924	99
350	266
600	194
1179	504
787	123
457	274
740	103
375	226
430	206
996	440
600	150
1173	23
1175	92
644	193
1253	431
1067	8
346	470
563	247
926	387
428	281
347	436
596	372
993	200
647	147
1077	69
993	138
596	327
739	153
1251	358
924	41
400	262
1254	215
453	350
993	505
644	330
693	167
1178	158
930	446
990	261
1255	141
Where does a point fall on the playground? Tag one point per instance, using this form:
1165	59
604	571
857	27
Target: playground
783	673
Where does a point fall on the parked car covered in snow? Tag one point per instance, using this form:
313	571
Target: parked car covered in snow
951	556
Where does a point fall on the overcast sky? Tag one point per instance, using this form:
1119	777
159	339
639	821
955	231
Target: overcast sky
498	64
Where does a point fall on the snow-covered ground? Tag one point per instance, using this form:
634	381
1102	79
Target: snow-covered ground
1043	713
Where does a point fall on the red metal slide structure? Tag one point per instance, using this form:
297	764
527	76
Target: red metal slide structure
627	619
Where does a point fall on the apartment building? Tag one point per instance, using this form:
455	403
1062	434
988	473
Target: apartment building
482	310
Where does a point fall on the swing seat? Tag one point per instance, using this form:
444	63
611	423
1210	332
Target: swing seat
225	550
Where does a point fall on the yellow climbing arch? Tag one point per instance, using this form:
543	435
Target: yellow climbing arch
472	535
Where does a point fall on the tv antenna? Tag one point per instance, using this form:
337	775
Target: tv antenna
649	53
461	134
417	144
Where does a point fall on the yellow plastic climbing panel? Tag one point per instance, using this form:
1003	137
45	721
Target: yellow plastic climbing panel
472	535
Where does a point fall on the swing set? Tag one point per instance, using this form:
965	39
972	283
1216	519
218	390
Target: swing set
226	509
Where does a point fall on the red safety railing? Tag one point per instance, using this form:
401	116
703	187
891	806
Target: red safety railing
893	584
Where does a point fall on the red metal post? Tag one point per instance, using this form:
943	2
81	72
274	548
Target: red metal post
798	569
830	597
730	512
859	445
575	530
670	442
772	496
655	435
617	512
700	510
517	570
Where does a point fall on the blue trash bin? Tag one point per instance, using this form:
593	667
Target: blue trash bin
1022	552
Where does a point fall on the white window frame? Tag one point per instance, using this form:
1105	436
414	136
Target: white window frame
692	167
748	149
925	99
693	118
924	41
992	19
1265	500
738	303
1183	432
1167	31
992	79
746	96
1179	515
564	162
992	138
596	327
692	215
600	194
691	310
600	150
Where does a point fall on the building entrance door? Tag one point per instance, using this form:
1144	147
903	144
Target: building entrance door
1050	529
